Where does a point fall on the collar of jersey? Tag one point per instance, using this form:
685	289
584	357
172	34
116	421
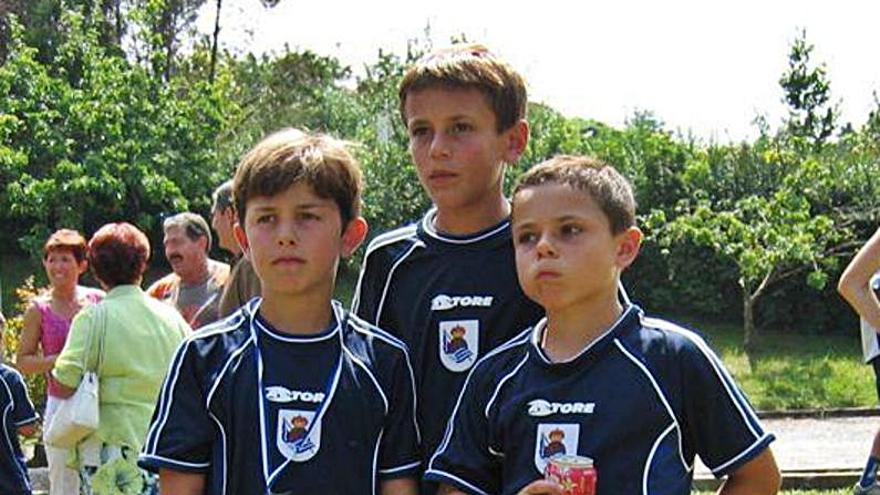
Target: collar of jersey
427	226
263	326
627	319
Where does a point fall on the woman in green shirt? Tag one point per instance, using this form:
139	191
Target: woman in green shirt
132	353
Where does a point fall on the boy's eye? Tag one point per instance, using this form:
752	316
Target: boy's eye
570	230
308	216
460	127
526	238
418	131
265	218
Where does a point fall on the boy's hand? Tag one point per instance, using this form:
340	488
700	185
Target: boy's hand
541	487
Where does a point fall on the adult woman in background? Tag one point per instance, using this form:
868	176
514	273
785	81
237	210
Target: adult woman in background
46	325
132	349
859	285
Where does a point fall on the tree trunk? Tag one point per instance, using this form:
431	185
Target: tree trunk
749	332
215	42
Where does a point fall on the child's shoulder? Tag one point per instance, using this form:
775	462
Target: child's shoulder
364	337
394	242
10	375
222	338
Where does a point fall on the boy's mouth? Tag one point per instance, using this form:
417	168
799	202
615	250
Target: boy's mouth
288	260
547	275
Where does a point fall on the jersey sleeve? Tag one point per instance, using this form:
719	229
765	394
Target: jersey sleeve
399	454
721	424
181	433
368	292
465	457
23	412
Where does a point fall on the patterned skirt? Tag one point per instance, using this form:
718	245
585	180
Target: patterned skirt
112	470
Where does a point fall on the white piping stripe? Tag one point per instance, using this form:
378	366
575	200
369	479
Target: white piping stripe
388	280
376	461
660	394
223	445
510	344
749	417
155	430
400	468
369	374
739	456
428	227
356	322
502	382
379	242
541	327
444	474
654	448
168	460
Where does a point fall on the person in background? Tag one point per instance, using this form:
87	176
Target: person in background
243	283
859	285
46	325
196	283
17	417
137	336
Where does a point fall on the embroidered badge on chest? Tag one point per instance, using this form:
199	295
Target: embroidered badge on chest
297	438
459	344
555	439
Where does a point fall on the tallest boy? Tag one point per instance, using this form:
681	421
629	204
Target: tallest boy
447	285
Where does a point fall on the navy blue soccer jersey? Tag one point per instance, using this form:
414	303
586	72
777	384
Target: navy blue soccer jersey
16	411
451	299
261	411
642	400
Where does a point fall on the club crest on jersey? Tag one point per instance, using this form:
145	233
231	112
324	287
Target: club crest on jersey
297	438
555	439
459	344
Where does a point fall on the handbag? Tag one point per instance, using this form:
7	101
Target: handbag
77	416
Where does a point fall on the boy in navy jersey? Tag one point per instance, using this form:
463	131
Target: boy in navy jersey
446	285
291	393
17	416
596	378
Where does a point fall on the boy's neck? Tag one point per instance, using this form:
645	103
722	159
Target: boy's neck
297	315
472	218
572	329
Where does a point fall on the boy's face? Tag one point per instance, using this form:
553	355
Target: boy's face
458	153
566	254
294	240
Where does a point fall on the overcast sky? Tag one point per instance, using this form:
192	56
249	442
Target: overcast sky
705	66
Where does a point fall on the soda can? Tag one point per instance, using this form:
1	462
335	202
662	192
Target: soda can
575	473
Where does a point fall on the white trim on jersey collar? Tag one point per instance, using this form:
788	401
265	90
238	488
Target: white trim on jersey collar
428	227
275	334
541	326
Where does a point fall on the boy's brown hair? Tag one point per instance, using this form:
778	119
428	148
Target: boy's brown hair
289	156
67	240
470	66
611	190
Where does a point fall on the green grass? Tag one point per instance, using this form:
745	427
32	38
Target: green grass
794	371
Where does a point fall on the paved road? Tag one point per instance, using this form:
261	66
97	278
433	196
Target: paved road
820	444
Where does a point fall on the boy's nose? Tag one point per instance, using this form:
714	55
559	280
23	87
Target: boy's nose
545	247
439	146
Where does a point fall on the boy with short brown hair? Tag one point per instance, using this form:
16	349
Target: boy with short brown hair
291	386
595	378
446	285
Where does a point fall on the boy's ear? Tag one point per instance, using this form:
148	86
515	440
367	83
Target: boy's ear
241	239
354	234
628	244
516	142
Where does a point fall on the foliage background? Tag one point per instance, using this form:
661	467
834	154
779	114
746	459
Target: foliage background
114	109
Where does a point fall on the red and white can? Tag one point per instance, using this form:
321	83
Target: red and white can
575	473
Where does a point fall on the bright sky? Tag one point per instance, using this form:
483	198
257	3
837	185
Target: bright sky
705	66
